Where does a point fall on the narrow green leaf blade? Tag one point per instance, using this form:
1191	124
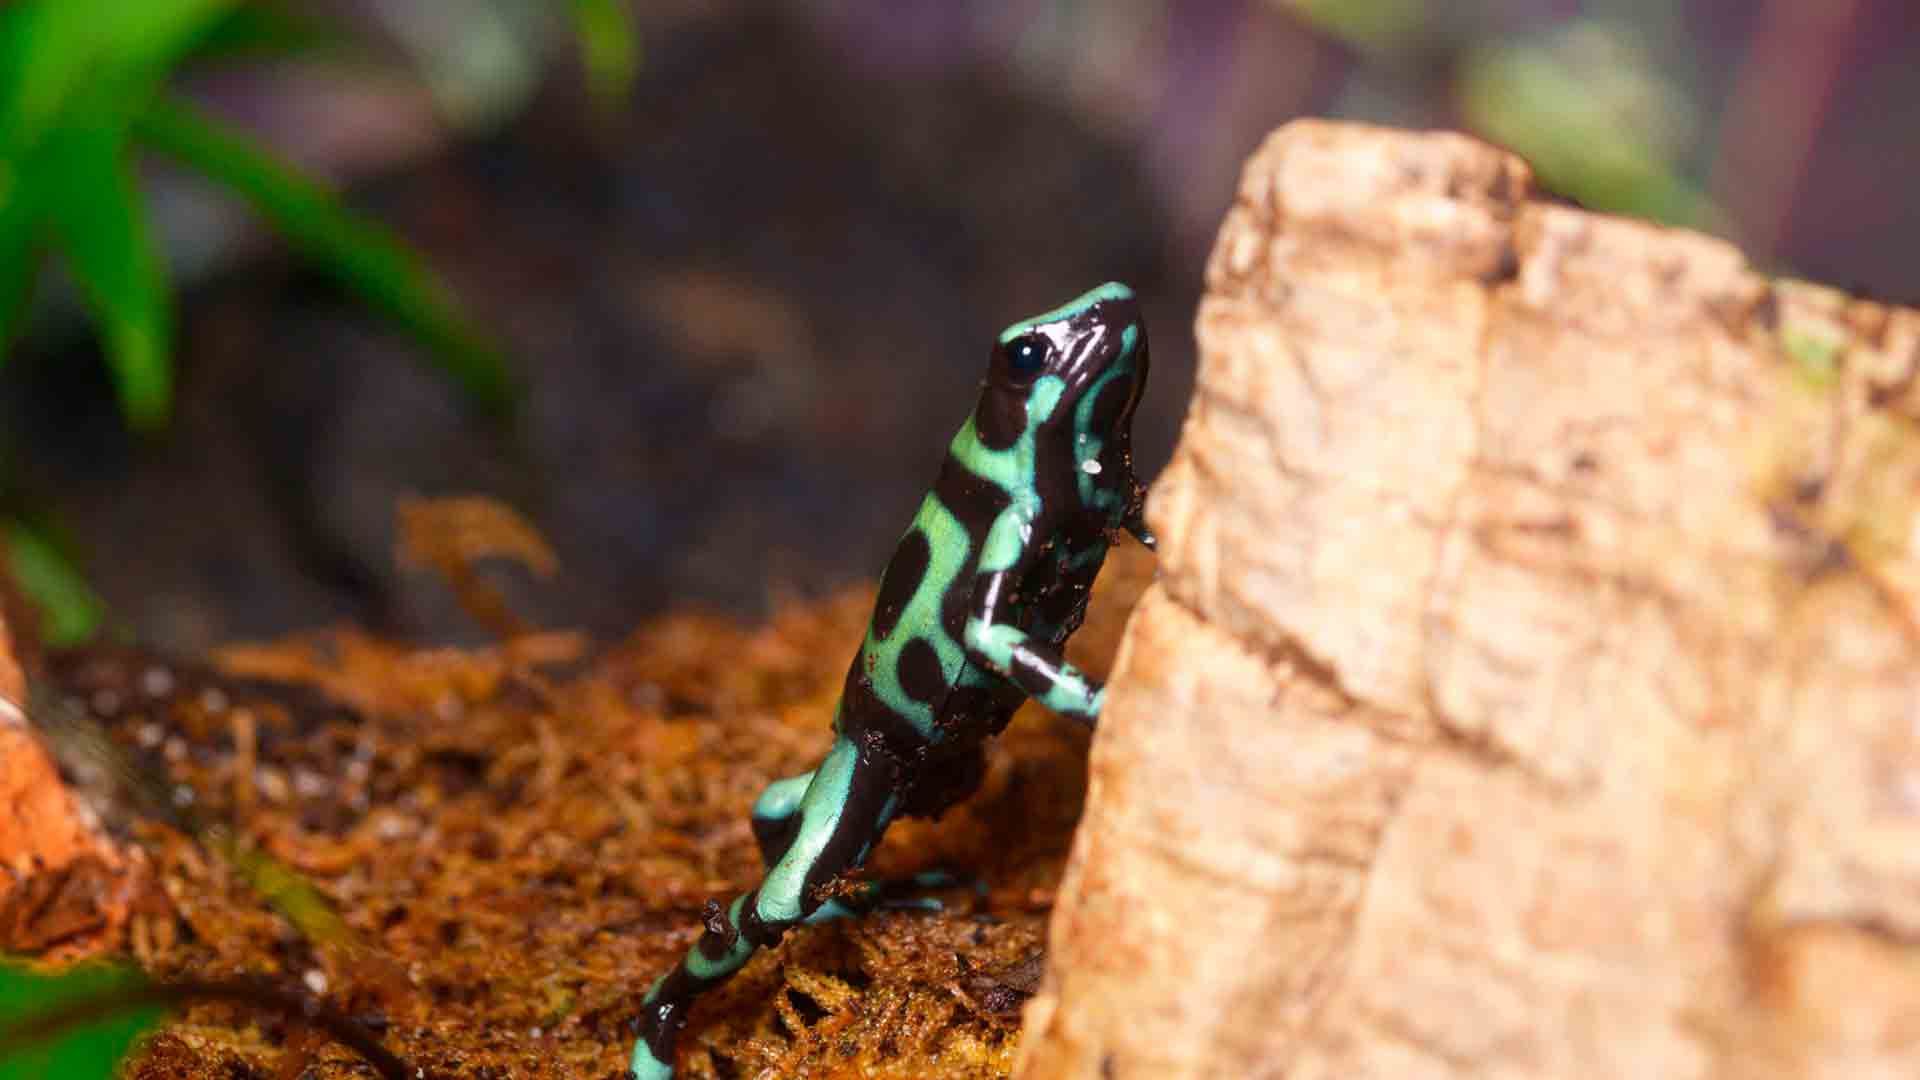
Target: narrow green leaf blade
70	611
262	29
39	64
19	254
87	1050
610	47
99	222
361	254
111	54
19	270
144	36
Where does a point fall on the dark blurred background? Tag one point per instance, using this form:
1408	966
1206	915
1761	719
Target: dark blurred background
742	260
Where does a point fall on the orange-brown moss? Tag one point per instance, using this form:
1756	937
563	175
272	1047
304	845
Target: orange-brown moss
518	839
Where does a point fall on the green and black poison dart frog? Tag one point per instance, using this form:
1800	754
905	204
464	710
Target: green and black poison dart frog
981	594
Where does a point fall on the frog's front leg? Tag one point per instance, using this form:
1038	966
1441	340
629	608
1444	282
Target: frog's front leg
995	642
847	803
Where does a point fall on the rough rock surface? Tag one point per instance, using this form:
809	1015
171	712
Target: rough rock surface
1533	683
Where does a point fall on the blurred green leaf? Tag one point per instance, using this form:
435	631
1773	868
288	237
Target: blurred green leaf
135	46
19	256
1593	115
363	255
610	46
86	192
1364	23
19	267
73	73
266	29
79	77
104	58
91	1047
70	611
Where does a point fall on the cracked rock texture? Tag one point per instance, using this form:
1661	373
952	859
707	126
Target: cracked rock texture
1532	687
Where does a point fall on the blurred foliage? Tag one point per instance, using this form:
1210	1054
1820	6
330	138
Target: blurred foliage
1365	23
80	1024
362	255
76	1025
262	30
609	48
85	82
482	60
38	564
1599	121
85	87
1587	101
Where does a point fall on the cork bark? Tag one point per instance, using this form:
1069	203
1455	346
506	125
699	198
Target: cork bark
1532	686
66	887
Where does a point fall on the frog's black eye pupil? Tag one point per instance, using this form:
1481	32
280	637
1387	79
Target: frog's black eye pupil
1026	357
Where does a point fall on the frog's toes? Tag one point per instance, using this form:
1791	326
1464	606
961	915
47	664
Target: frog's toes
895	894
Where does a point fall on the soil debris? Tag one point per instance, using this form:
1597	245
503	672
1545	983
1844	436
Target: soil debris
514	840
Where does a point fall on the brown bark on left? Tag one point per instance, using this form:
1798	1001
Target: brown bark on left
64	884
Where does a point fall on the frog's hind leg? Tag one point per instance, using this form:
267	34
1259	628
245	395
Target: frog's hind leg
953	778
776	820
845	806
776	816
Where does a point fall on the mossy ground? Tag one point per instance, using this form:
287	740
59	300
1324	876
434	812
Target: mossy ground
517	839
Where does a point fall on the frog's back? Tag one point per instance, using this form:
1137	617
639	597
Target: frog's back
913	656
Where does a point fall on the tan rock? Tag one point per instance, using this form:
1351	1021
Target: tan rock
1533	683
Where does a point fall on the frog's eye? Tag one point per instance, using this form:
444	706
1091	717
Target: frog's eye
1026	357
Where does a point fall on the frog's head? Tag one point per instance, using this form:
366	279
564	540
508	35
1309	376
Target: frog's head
1072	378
